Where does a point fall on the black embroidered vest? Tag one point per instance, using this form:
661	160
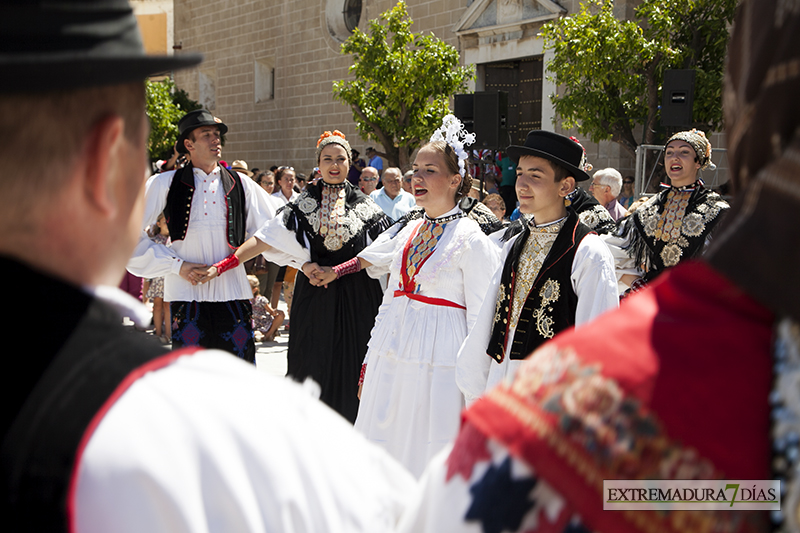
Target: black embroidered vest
179	204
551	303
59	387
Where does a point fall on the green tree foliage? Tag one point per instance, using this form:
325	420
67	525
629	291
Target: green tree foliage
402	84
609	72
165	107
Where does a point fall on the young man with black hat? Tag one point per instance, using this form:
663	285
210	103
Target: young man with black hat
210	211
102	429
556	273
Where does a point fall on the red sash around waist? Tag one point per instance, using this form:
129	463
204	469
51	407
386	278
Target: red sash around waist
428	299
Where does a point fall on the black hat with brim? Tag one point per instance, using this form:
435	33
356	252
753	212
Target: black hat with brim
553	147
48	45
193	120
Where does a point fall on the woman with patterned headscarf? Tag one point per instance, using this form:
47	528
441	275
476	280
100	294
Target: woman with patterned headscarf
328	224
674	224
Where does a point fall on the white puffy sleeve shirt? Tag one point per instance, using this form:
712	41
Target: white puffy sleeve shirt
210	444
206	240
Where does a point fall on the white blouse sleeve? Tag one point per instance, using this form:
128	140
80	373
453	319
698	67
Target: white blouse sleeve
473	363
593	279
285	250
382	252
623	263
260	208
151	259
480	264
210	444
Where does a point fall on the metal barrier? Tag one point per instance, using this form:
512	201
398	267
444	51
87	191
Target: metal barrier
651	156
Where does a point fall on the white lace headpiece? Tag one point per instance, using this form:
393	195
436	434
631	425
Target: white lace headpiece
453	133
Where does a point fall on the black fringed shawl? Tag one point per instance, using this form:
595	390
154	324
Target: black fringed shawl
644	230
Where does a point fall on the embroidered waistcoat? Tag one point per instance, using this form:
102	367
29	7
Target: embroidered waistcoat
551	303
179	204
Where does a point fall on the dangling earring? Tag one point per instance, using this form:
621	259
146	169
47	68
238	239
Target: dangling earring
567	201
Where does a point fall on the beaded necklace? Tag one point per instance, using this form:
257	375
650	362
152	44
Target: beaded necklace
331	213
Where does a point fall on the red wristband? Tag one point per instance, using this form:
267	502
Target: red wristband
226	264
348	267
361	377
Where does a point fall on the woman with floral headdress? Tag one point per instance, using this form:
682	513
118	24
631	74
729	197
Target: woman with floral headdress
439	267
674	224
329	223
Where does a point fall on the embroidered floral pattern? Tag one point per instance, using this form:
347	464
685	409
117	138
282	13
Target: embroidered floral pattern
551	291
674	224
331	218
595	414
534	253
595	216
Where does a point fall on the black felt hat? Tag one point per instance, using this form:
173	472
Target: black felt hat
195	119
553	147
70	44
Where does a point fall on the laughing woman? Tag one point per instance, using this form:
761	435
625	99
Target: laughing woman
439	267
329	223
673	225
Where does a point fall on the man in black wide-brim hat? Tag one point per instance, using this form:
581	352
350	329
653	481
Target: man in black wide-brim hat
102	429
556	272
210	211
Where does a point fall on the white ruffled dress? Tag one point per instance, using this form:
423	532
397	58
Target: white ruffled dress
410	403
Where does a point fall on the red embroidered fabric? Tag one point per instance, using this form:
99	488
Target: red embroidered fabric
673	385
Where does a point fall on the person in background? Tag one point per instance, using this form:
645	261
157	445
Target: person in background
355	169
407	182
605	187
240	166
266	320
284	178
368	181
375	160
394	201
496	205
102	428
508	177
300	182
153	289
627	193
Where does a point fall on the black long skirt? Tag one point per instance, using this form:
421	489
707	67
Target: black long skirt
329	332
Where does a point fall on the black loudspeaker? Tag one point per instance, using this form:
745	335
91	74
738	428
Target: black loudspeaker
491	119
463	109
677	98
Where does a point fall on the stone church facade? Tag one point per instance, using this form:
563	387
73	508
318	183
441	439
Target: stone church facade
270	65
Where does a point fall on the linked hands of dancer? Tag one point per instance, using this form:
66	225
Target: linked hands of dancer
319	276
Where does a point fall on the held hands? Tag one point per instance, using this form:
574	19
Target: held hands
205	274
319	276
193	272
